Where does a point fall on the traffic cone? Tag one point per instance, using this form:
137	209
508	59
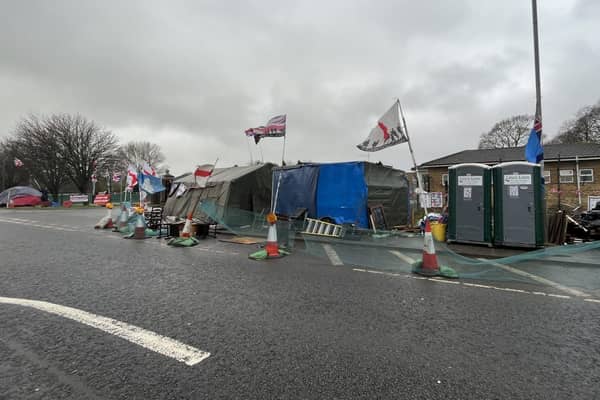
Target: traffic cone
123	218
187	228
106	222
185	239
140	228
429	266
272	247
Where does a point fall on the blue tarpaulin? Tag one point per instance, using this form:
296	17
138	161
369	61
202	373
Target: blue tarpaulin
298	189
342	193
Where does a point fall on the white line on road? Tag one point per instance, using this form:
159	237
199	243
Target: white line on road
333	256
403	257
592	300
140	336
548	282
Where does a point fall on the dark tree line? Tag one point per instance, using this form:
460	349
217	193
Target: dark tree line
62	148
514	131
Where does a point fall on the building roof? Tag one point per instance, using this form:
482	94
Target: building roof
584	151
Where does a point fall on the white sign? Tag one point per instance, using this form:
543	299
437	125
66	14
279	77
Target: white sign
592	201
470	180
79	198
467	193
517	179
432	200
513	191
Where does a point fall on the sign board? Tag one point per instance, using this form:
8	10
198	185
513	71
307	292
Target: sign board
102	199
79	198
470	180
517	179
592	201
432	200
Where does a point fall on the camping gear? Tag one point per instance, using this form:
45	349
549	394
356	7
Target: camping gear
343	192
20	196
236	192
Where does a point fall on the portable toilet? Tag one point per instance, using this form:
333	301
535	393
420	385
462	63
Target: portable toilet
469	204
518	204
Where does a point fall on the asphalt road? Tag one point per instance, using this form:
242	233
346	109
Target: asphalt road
292	328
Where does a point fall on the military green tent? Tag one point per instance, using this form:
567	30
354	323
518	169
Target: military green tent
237	192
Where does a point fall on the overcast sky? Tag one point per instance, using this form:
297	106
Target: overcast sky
192	76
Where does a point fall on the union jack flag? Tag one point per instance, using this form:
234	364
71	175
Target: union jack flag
275	127
534	152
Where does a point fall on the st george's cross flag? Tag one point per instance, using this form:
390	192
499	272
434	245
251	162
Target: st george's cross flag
202	173
18	163
387	132
132	178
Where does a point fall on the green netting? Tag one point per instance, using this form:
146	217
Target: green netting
575	266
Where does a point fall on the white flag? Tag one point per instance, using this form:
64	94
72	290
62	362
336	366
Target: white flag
386	133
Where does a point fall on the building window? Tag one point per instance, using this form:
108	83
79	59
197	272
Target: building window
566	176
445	180
586	175
547	179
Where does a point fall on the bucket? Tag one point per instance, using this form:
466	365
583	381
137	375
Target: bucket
438	231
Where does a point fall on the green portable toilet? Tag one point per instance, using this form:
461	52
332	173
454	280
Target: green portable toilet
518	205
469	204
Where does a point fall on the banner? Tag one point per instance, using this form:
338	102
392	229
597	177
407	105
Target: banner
388	132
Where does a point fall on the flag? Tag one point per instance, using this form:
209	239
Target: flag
148	169
132	179
150	184
202	173
116	177
386	133
18	163
534	152
94	178
275	127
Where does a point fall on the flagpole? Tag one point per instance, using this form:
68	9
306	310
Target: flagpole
536	54
412	154
249	150
283	154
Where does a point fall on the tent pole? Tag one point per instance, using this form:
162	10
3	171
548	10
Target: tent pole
249	150
283	154
412	154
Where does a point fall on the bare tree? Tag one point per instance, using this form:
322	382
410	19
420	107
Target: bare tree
584	128
85	147
10	174
39	147
136	153
510	132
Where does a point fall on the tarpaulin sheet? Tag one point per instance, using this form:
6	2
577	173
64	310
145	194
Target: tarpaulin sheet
342	193
298	189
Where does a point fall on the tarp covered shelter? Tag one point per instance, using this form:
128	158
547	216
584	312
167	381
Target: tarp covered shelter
343	191
245	188
21	196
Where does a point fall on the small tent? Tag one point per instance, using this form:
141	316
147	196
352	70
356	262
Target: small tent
237	192
20	196
343	191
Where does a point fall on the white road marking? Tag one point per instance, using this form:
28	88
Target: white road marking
142	337
547	282
473	285
333	256
403	257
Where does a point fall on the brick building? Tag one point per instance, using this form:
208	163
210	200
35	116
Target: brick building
571	171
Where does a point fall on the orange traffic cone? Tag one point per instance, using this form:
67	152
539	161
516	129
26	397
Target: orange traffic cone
106	222
429	265
123	217
140	228
272	247
187	228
